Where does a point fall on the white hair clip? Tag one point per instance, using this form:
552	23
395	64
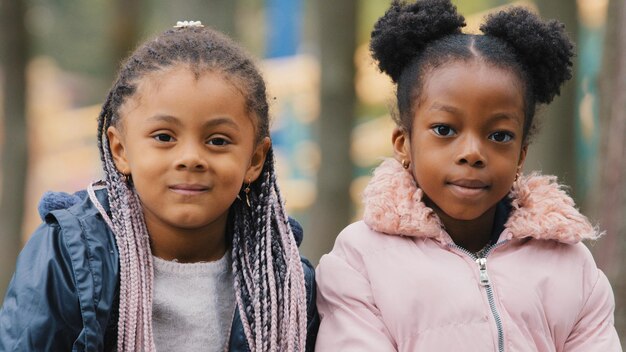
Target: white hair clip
185	24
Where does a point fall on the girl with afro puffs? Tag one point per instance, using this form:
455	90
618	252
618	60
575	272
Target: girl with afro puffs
457	250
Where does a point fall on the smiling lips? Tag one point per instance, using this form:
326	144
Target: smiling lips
189	189
468	188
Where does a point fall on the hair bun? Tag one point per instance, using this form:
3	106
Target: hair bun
543	46
405	29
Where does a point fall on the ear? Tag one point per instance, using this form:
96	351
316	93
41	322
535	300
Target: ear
522	156
258	160
116	144
401	145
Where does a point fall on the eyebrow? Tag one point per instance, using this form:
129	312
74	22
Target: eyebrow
221	121
211	123
446	108
496	117
504	116
165	118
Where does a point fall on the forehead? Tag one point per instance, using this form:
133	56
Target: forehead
468	76
459	72
182	81
473	87
182	92
182	75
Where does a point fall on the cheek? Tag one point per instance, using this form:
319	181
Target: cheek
424	175
426	159
231	172
424	180
506	163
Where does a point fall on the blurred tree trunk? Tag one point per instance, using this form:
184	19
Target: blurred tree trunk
14	151
332	210
610	202
125	30
221	16
553	149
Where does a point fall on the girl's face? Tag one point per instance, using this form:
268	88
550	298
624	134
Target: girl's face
465	145
189	145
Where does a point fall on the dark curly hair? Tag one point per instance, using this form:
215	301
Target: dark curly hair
410	40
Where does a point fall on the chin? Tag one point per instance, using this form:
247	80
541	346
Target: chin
464	215
189	222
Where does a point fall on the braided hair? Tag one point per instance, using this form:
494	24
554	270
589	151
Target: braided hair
268	276
411	40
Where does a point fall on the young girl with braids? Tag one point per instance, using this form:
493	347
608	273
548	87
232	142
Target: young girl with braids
185	246
457	250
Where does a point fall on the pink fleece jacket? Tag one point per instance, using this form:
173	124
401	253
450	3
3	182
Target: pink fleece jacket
396	282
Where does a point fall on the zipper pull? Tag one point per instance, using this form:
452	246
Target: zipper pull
482	266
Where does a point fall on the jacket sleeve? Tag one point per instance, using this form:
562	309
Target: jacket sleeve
595	330
41	309
350	320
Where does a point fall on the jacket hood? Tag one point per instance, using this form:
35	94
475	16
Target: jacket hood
51	201
541	209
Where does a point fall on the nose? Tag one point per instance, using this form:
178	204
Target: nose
471	152
190	157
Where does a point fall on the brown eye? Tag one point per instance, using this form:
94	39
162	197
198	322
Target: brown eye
501	137
163	137
218	141
443	130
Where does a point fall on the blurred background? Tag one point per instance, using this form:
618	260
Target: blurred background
330	105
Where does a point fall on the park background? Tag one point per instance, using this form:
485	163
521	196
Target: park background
330	105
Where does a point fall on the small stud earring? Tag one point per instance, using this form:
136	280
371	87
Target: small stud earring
405	163
246	191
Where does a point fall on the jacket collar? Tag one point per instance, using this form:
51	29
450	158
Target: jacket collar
541	209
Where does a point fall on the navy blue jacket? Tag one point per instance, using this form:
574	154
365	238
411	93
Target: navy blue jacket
64	293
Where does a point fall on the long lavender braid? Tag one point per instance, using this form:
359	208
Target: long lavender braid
269	280
268	276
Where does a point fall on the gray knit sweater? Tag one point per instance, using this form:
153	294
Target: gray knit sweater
193	305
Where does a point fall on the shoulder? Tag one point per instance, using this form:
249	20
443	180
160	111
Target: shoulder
72	226
575	290
357	248
89	242
41	304
360	240
569	265
579	257
62	208
78	222
576	255
76	226
66	273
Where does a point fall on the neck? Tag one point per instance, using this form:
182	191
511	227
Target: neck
188	245
473	234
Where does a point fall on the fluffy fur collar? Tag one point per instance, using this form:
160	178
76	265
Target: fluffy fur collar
541	209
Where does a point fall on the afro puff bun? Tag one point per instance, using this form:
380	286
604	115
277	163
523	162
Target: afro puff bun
543	47
405	29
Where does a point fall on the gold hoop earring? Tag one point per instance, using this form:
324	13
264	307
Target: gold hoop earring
405	163
246	190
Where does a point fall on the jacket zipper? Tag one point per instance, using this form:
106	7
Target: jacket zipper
486	283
